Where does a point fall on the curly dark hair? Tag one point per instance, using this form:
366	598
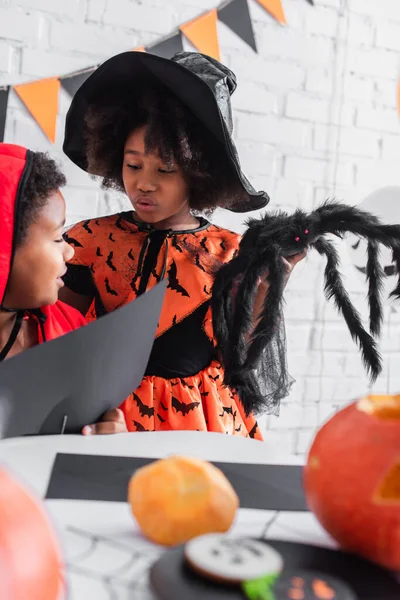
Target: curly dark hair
44	178
172	131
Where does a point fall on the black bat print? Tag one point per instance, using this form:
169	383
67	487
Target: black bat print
252	433
174	320
184	384
175	244
92	267
239	428
222	244
214	378
228	410
108	289
221	415
72	241
182	407
155	275
203	244
133	284
204	394
139	426
109	262
110	237
206	291
86	226
98	252
197	263
145	411
97	222
162	406
118	224
174	384
130	255
160	418
174	281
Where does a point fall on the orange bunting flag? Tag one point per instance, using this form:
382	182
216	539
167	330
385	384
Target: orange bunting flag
275	9
139	49
202	33
41	99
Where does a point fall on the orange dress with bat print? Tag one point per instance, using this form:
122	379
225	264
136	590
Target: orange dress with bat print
116	259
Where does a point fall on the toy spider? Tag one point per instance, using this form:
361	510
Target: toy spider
262	247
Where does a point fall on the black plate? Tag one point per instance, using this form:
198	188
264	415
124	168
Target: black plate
172	579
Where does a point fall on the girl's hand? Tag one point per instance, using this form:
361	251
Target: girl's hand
263	285
291	262
113	421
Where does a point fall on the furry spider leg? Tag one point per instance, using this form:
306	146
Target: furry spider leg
375	284
396	259
222	302
243	317
269	316
334	289
340	219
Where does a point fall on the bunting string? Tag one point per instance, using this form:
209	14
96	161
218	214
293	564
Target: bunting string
40	97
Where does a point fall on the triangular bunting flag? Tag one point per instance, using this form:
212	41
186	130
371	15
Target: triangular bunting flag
275	9
139	49
167	48
41	99
3	110
71	83
202	33
236	15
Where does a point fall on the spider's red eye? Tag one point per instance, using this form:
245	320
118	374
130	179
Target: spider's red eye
297	239
306	231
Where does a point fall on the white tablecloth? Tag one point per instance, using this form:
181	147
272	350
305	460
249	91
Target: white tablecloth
106	557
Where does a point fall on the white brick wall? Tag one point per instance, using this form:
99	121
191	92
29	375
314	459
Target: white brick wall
315	116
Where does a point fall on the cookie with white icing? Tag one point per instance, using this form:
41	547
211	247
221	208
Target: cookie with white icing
231	560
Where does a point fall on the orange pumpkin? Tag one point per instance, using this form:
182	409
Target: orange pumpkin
352	478
30	559
178	498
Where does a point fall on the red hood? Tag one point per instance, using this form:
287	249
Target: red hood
14	168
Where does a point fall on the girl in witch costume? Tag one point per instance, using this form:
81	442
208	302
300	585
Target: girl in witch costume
160	130
33	257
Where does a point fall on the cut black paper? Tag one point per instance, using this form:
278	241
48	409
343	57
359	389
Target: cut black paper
3	110
171	578
72	83
167	48
87	477
82	374
236	15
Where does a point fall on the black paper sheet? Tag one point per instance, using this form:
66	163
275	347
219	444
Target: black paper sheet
87	477
170	578
71	381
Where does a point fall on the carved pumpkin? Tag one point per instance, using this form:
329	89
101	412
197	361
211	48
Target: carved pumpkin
30	559
178	498
352	478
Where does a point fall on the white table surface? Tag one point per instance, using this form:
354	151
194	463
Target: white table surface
106	557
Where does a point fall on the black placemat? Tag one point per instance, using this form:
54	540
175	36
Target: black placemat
87	477
171	579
